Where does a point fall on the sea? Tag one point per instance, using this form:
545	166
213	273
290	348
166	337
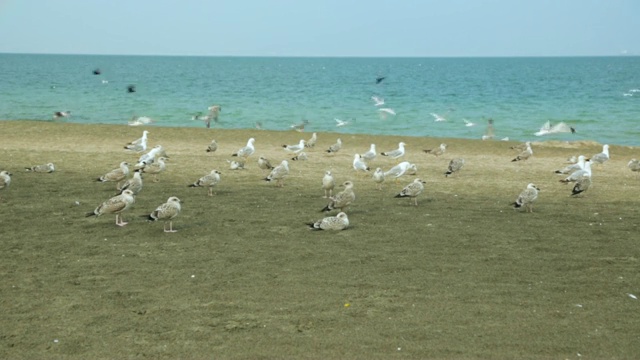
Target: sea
598	96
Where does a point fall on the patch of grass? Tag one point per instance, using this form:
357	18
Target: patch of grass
462	275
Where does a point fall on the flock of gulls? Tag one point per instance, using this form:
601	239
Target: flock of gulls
129	182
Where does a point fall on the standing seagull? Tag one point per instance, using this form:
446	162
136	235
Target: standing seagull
413	190
359	165
5	180
398	170
155	168
602	157
210	180
279	173
526	154
335	147
134	184
338	222
527	197
116	175
214	113
342	199
115	205
328	183
378	178
264	163
634	165
139	144
312	142
247	150
454	166
394	154
371	154
582	184
295	148
167	212
437	151
576	175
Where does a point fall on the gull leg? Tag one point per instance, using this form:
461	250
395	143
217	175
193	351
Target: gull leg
210	191
170	228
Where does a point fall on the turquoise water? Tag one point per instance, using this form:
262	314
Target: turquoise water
599	96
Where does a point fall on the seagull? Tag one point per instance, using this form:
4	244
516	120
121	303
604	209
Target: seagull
300	126
560	127
264	163
359	164
335	147
214	113
386	111
527	198
437	151
44	168
210	180
634	165
97	72
468	123
131	88
582	184
578	173
236	165
246	151
378	178
526	154
279	173
115	205
394	154
413	190
338	222
140	120
398	170
149	157
295	148
155	168
140	144
312	142
602	157
379	79
301	156
116	175
328	184
438	118
134	184
59	114
213	146
167	212
340	123
5	180
579	165
342	199
371	154
377	101
454	166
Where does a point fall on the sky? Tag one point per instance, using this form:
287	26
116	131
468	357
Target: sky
364	28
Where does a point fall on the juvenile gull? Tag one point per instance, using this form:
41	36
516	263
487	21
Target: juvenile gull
342	199
328	184
115	205
5	180
526	154
582	184
155	168
264	163
526	198
338	222
335	147
359	164
301	156
371	154
209	181
45	168
413	190
437	151
247	150
378	178
394	154
602	157
312	142
279	173
167	212
116	175
454	166
134	184
295	148
213	146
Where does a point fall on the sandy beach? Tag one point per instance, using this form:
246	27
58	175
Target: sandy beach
461	275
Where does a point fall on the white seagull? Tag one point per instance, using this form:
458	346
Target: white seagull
560	127
295	148
377	101
394	154
247	150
